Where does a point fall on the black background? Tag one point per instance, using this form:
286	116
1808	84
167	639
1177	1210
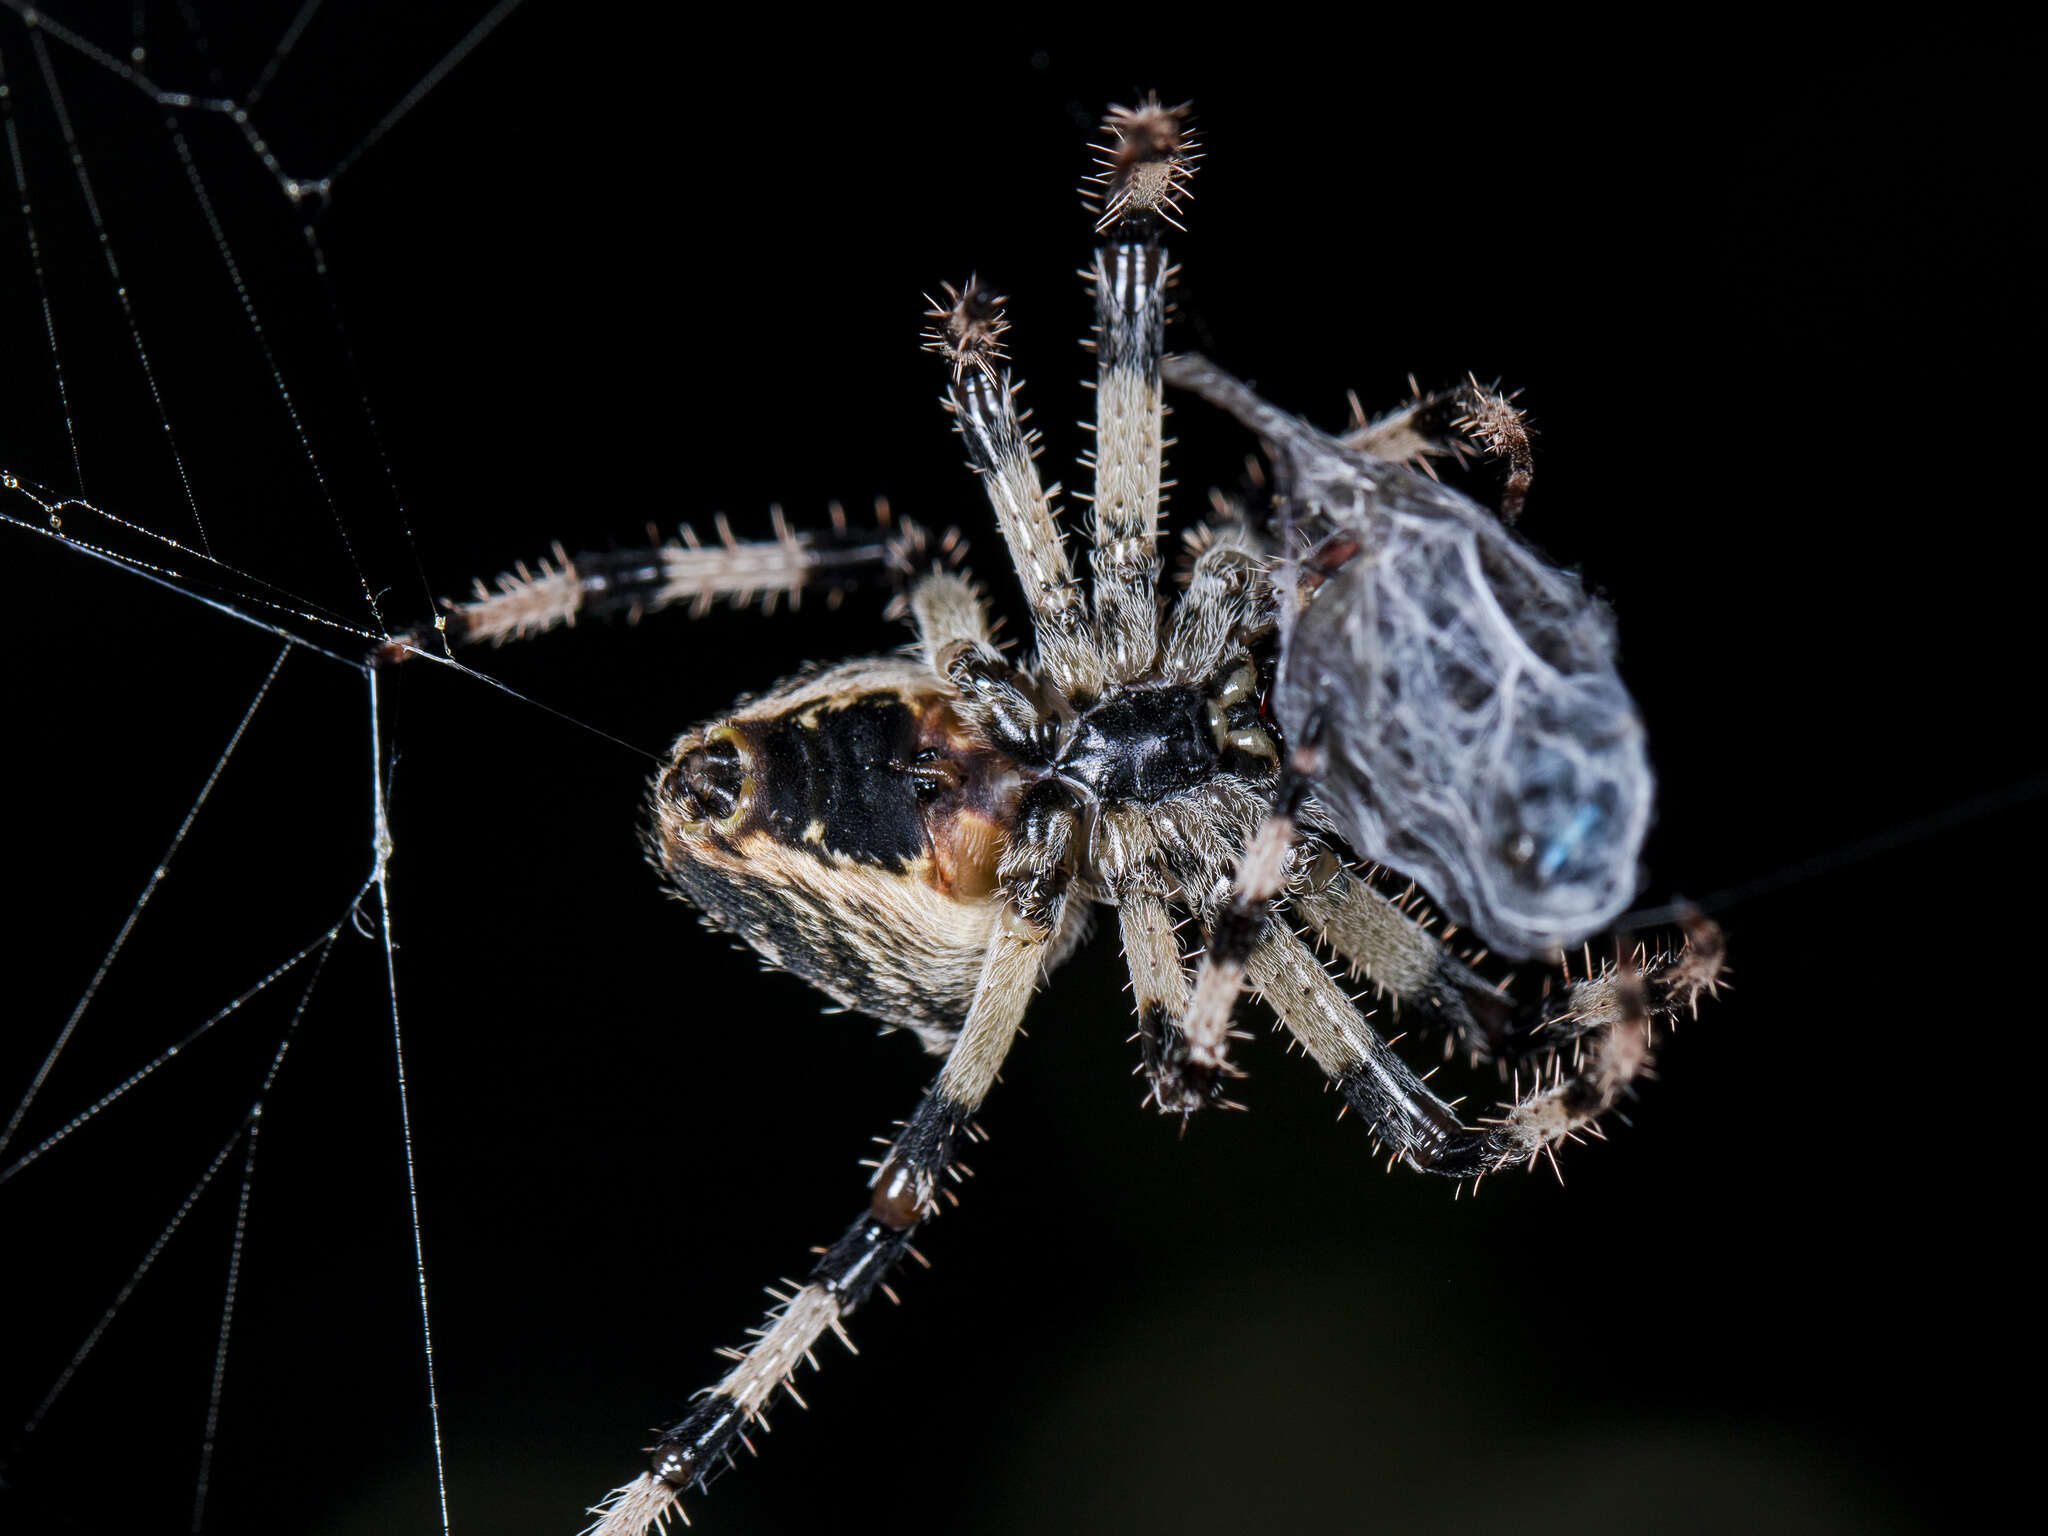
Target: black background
1771	304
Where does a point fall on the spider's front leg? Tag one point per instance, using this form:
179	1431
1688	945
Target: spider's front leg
1002	452
1130	327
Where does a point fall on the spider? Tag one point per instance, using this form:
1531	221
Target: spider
924	835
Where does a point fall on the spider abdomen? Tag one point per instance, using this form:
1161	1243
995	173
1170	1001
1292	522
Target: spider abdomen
846	826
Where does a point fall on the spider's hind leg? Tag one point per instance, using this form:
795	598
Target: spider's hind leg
907	1186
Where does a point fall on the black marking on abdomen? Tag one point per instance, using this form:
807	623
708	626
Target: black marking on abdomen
844	773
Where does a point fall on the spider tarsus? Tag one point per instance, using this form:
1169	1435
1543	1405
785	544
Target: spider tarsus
967	328
1180	1085
1145	167
1501	429
1702	967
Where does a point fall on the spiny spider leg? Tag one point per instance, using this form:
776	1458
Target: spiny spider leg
1134	873
1451	421
1382	940
1420	429
1145	171
1608	1028
1261	876
906	1186
948	613
1227	604
1159	988
631	582
1130	326
1001	451
1502	432
1037	926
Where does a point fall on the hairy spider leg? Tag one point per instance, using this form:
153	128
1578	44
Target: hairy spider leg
1003	453
1129	279
1388	941
1470	417
906	1187
1607	1024
531	600
1261	877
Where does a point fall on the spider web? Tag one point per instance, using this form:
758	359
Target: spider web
235	250
302	321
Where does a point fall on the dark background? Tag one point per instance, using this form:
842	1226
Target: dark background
1778	328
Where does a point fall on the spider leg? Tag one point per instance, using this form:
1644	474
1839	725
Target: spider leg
1226	602
1130	324
1262	874
958	644
1136	877
1446	421
1145	165
906	1188
529	601
948	612
1498	426
1424	981
1420	429
999	449
1159	983
1419	974
1609	1033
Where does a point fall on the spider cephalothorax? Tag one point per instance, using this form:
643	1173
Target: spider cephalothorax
1361	665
